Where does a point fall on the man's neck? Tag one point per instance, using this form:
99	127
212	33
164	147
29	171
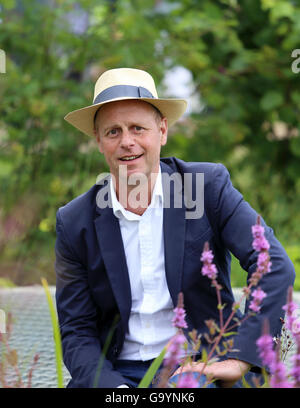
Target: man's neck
129	198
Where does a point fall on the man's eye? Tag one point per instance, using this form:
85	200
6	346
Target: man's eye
113	132
138	128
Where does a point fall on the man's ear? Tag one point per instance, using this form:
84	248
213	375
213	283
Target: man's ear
163	131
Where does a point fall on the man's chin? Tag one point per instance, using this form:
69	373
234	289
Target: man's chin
135	175
131	174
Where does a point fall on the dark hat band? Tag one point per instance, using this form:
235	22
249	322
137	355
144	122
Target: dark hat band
121	91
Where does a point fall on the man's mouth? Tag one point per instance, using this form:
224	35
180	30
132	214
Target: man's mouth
130	158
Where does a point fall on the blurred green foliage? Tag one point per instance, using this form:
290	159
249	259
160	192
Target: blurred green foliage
239	57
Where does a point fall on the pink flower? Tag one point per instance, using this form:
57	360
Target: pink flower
208	269
258	296
261	244
179	318
254	307
187	380
263	262
266	352
279	376
263	257
291	316
270	359
258	230
175	351
207	256
292	322
295	371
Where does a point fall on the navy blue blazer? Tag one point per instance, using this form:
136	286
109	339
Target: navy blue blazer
92	287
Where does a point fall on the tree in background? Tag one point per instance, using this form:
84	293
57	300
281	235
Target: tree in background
239	57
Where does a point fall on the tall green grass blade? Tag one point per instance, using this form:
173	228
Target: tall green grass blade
56	333
146	380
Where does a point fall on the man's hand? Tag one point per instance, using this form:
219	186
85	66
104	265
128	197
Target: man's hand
227	371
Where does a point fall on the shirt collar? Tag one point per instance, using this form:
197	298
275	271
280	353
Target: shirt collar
156	200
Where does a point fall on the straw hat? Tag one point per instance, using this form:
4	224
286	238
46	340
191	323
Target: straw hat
120	84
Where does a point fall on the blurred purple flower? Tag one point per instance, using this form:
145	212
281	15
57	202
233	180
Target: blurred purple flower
263	262
254	307
207	256
257	229
259	243
187	380
208	269
179	318
266	352
291	317
295	371
279	376
175	352
292	322
271	360
258	296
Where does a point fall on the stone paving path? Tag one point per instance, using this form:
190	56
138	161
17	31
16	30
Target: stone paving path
32	331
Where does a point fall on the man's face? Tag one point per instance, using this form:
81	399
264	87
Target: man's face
131	134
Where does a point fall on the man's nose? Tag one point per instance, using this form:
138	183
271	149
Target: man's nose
127	139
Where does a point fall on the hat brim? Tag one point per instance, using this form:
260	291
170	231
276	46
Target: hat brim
83	119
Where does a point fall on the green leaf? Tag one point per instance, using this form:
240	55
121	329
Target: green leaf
221	307
204	355
148	377
295	146
56	333
229	334
271	100
6	168
282	9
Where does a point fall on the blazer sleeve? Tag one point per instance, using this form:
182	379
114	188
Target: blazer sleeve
77	315
234	218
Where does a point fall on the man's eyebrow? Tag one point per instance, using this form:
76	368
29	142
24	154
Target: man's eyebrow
137	122
110	127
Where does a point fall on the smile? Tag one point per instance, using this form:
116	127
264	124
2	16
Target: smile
129	158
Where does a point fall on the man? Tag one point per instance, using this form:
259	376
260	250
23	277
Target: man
127	247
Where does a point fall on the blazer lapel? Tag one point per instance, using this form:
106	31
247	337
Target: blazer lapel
112	250
174	231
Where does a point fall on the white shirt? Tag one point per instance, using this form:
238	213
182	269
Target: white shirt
150	326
